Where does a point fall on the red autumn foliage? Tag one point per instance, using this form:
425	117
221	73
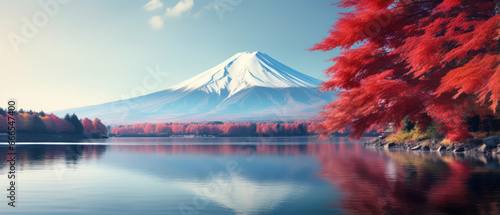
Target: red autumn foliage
49	123
99	127
55	124
163	128
225	129
267	128
34	122
24	122
178	129
429	60
88	128
149	128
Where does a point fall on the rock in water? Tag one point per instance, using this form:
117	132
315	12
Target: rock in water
417	147
389	145
459	149
492	141
426	148
484	148
441	148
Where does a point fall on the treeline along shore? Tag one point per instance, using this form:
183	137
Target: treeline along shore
31	126
217	128
222	129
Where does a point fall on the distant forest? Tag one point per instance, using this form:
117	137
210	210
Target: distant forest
31	122
218	128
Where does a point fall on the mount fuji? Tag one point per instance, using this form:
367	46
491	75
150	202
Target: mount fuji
249	86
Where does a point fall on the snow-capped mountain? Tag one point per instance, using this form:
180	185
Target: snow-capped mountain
245	70
249	86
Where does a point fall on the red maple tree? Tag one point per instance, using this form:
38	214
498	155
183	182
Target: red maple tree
99	127
434	61
88	128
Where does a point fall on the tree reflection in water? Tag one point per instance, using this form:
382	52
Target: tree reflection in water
387	182
381	182
370	181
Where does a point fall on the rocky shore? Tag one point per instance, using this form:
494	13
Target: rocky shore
470	146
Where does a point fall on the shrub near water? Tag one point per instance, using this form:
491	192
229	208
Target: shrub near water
414	134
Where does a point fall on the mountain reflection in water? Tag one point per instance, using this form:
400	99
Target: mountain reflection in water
367	181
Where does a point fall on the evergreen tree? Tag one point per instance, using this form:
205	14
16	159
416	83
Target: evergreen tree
2	112
38	125
76	122
67	118
407	124
253	129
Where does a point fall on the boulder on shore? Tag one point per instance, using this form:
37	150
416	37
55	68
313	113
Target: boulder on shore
389	145
417	147
441	148
492	141
485	148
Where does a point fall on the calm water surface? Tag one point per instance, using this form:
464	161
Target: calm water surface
246	176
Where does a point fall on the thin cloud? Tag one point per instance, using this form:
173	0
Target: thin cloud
153	5
182	7
156	22
199	14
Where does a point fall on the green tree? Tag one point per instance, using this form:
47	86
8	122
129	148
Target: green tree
408	125
38	125
76	122
67	118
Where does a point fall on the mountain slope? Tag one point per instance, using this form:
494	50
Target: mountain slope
245	70
249	86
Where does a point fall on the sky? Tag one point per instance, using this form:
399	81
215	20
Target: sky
59	54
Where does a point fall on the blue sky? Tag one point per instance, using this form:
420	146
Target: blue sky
90	52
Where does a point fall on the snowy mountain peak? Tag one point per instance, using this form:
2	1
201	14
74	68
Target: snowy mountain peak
249	86
244	70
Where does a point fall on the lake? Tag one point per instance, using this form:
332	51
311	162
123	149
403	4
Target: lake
296	175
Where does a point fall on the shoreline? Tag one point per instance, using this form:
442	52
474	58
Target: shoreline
63	137
488	146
